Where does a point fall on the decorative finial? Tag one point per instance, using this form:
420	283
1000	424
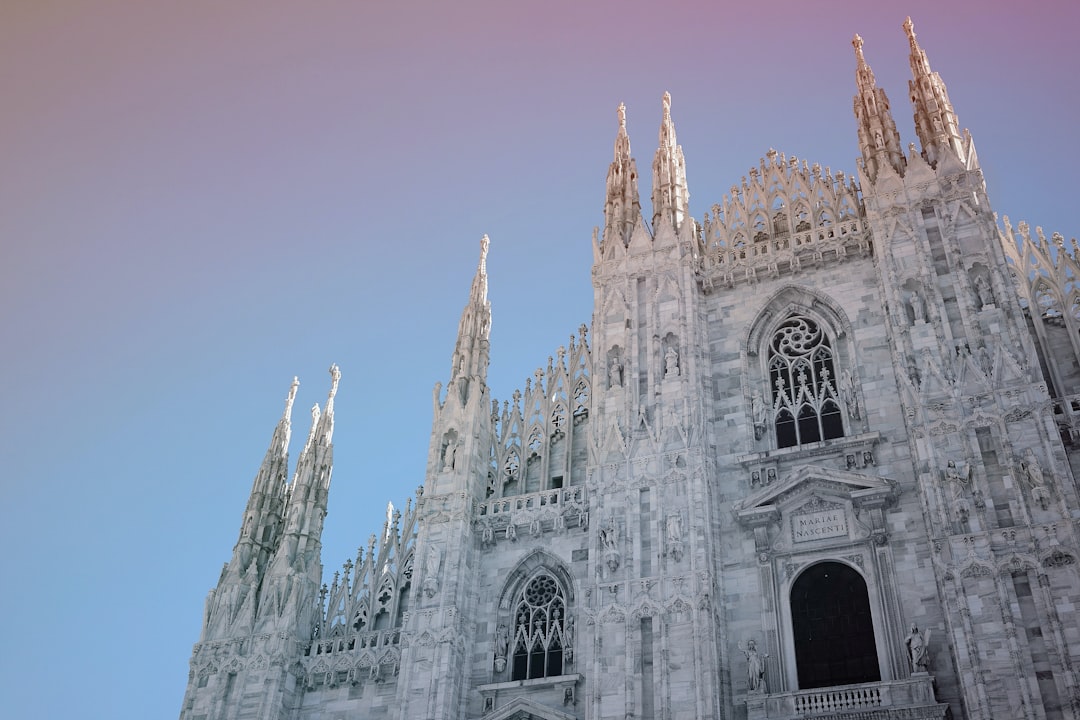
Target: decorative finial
909	28
335	375
857	42
667	104
292	396
622	116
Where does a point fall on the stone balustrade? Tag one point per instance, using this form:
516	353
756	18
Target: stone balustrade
555	497
912	699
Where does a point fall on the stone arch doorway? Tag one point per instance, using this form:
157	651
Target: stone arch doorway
833	628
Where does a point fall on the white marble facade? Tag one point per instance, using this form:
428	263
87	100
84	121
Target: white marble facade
814	456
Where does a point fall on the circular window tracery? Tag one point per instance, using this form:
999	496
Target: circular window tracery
539	629
802	381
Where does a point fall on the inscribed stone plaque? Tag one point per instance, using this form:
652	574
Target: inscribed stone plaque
819	525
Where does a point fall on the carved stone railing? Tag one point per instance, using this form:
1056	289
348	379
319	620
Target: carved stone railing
336	643
910	699
556	497
783	252
351	659
537	513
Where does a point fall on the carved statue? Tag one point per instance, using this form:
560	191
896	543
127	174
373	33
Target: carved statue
918	307
671	363
757	409
674	537
502	644
568	640
1032	469
847	393
959	473
609	538
615	372
755	667
609	535
916	643
983	292
450	455
432	562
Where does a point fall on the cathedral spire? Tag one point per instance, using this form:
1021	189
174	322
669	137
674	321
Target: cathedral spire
879	140
670	196
936	123
261	520
470	359
623	205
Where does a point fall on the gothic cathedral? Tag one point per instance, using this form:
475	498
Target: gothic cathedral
814	458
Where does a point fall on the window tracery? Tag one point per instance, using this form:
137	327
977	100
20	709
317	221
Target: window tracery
802	378
539	629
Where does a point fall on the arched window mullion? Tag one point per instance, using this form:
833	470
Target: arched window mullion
539	617
802	376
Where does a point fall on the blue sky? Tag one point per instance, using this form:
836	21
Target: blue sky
201	200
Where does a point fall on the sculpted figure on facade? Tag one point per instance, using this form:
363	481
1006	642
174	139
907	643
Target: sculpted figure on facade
609	539
450	455
918	307
959	476
568	640
847	394
671	363
958	473
502	645
916	643
674	537
1032	471
615	372
982	292
757	409
755	667
432	563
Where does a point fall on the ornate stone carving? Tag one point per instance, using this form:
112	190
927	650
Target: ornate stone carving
432	563
759	413
671	363
609	540
755	667
674	537
502	645
916	643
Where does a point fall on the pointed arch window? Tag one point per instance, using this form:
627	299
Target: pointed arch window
802	377
539	629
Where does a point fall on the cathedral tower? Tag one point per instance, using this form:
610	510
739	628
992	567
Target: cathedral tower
435	666
263	613
993	477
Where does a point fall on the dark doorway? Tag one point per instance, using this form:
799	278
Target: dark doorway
834	632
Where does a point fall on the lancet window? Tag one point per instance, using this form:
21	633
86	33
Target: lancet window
802	377
539	629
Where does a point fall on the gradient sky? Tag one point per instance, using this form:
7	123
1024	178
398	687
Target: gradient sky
201	199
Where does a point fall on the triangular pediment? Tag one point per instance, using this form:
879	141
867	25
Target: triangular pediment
526	709
809	479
